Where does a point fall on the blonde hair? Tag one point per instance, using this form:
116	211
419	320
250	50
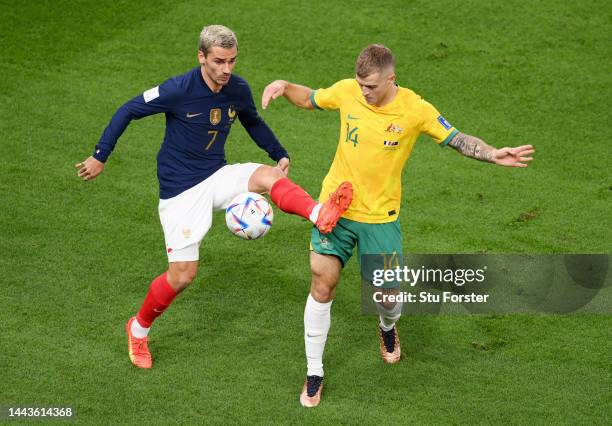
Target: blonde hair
217	35
374	58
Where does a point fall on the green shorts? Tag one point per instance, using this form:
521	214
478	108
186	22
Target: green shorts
370	238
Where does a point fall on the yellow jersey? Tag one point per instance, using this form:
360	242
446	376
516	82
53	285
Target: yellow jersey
374	144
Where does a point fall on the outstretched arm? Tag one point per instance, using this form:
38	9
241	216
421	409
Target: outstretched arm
153	101
296	94
471	146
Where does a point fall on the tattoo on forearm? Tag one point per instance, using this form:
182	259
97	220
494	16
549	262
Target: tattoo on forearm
471	146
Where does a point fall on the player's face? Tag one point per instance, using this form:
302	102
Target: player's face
376	87
218	64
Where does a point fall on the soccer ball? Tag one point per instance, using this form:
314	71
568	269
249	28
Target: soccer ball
249	216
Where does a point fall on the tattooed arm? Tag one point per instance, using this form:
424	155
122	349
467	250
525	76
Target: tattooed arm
471	146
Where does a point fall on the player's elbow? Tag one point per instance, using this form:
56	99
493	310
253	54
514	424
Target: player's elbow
126	113
252	122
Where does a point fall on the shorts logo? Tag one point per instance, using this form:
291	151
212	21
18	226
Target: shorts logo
215	116
394	128
325	243
186	232
444	123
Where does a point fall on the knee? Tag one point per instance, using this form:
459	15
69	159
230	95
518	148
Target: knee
391	309
273	173
264	177
323	287
387	303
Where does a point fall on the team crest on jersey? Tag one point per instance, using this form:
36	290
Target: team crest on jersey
215	116
231	113
186	232
394	128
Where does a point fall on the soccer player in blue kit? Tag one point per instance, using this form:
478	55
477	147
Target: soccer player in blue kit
194	177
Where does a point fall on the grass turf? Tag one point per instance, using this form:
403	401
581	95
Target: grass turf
77	257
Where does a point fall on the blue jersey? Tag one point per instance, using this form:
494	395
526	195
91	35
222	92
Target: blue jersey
198	122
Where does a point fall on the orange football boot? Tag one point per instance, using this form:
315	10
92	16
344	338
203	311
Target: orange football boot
390	349
138	349
311	391
334	207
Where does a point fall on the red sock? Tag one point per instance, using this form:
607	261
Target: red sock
158	298
291	198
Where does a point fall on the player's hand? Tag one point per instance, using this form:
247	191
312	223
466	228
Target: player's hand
513	157
283	165
272	91
89	169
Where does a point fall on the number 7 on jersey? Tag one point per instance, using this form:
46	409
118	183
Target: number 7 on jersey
214	134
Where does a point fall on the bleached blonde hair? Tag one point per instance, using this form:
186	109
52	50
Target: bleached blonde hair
217	35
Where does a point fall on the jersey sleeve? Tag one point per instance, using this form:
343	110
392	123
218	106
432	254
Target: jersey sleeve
158	99
257	128
435	125
329	98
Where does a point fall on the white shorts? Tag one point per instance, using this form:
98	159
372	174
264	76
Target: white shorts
187	217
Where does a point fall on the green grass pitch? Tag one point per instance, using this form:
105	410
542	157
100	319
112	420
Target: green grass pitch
77	257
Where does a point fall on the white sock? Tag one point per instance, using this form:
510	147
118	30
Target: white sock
314	214
388	317
317	319
138	330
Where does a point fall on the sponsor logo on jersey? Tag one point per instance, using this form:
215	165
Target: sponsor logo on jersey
444	123
215	116
193	114
394	128
351	117
390	145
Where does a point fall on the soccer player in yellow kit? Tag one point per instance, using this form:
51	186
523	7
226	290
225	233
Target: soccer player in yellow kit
380	122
